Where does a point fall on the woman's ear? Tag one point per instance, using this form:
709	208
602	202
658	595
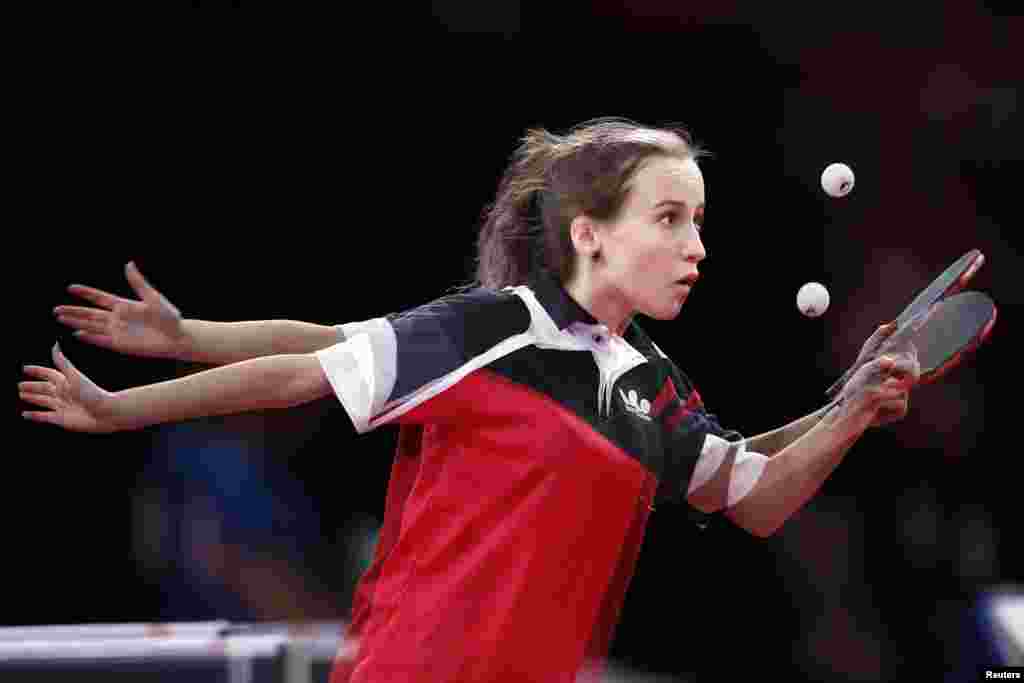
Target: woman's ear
584	237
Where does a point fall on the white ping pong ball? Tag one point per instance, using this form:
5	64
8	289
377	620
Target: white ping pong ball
812	300
837	180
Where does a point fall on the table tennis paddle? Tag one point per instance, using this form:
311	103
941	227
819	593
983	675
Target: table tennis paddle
956	331
944	335
954	327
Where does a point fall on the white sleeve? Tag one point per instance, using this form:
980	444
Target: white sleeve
361	369
746	471
745	467
383	368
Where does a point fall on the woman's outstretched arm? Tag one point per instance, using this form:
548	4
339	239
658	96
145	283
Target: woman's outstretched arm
78	404
151	326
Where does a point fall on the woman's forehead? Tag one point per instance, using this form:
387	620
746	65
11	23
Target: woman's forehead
665	178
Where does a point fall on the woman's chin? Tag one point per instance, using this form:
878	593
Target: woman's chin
668	310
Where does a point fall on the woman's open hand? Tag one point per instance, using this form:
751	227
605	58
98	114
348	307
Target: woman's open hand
74	401
150	326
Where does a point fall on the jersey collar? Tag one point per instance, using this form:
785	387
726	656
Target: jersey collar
562	308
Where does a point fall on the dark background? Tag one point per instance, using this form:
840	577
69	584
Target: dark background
334	170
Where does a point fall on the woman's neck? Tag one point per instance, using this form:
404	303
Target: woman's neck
600	301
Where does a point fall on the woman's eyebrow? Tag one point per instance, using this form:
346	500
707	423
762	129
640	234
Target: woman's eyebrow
676	201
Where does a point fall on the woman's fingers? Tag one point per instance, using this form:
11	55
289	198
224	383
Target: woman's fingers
49	374
883	331
892	410
45	400
63	364
148	292
899	361
904	367
898	374
884	384
895	406
37	388
47	416
102	340
97	296
82	313
72	400
86	324
141	286
93	326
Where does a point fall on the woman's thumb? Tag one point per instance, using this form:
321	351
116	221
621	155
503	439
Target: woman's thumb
61	361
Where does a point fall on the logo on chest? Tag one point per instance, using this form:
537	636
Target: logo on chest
640	407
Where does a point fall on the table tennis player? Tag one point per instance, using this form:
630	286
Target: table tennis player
539	425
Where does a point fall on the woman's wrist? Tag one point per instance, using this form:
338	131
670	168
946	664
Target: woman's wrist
186	346
114	412
848	417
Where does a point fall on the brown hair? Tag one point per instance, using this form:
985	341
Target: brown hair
550	180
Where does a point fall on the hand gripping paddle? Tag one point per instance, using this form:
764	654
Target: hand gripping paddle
945	326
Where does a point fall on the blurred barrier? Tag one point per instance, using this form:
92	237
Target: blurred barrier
214	652
199	652
201	629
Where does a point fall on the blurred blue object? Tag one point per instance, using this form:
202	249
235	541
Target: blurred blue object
219	518
993	634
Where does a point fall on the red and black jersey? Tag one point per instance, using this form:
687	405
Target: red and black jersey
533	445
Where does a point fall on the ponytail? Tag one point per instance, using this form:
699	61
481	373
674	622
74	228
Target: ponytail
511	240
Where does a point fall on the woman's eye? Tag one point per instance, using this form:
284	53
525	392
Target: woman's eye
671	216
698	219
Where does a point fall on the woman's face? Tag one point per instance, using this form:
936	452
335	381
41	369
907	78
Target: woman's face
651	250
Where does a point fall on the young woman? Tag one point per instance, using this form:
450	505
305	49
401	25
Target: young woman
539	424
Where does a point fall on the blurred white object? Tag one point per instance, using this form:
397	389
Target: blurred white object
1006	615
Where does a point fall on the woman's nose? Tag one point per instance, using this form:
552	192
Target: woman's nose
694	249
